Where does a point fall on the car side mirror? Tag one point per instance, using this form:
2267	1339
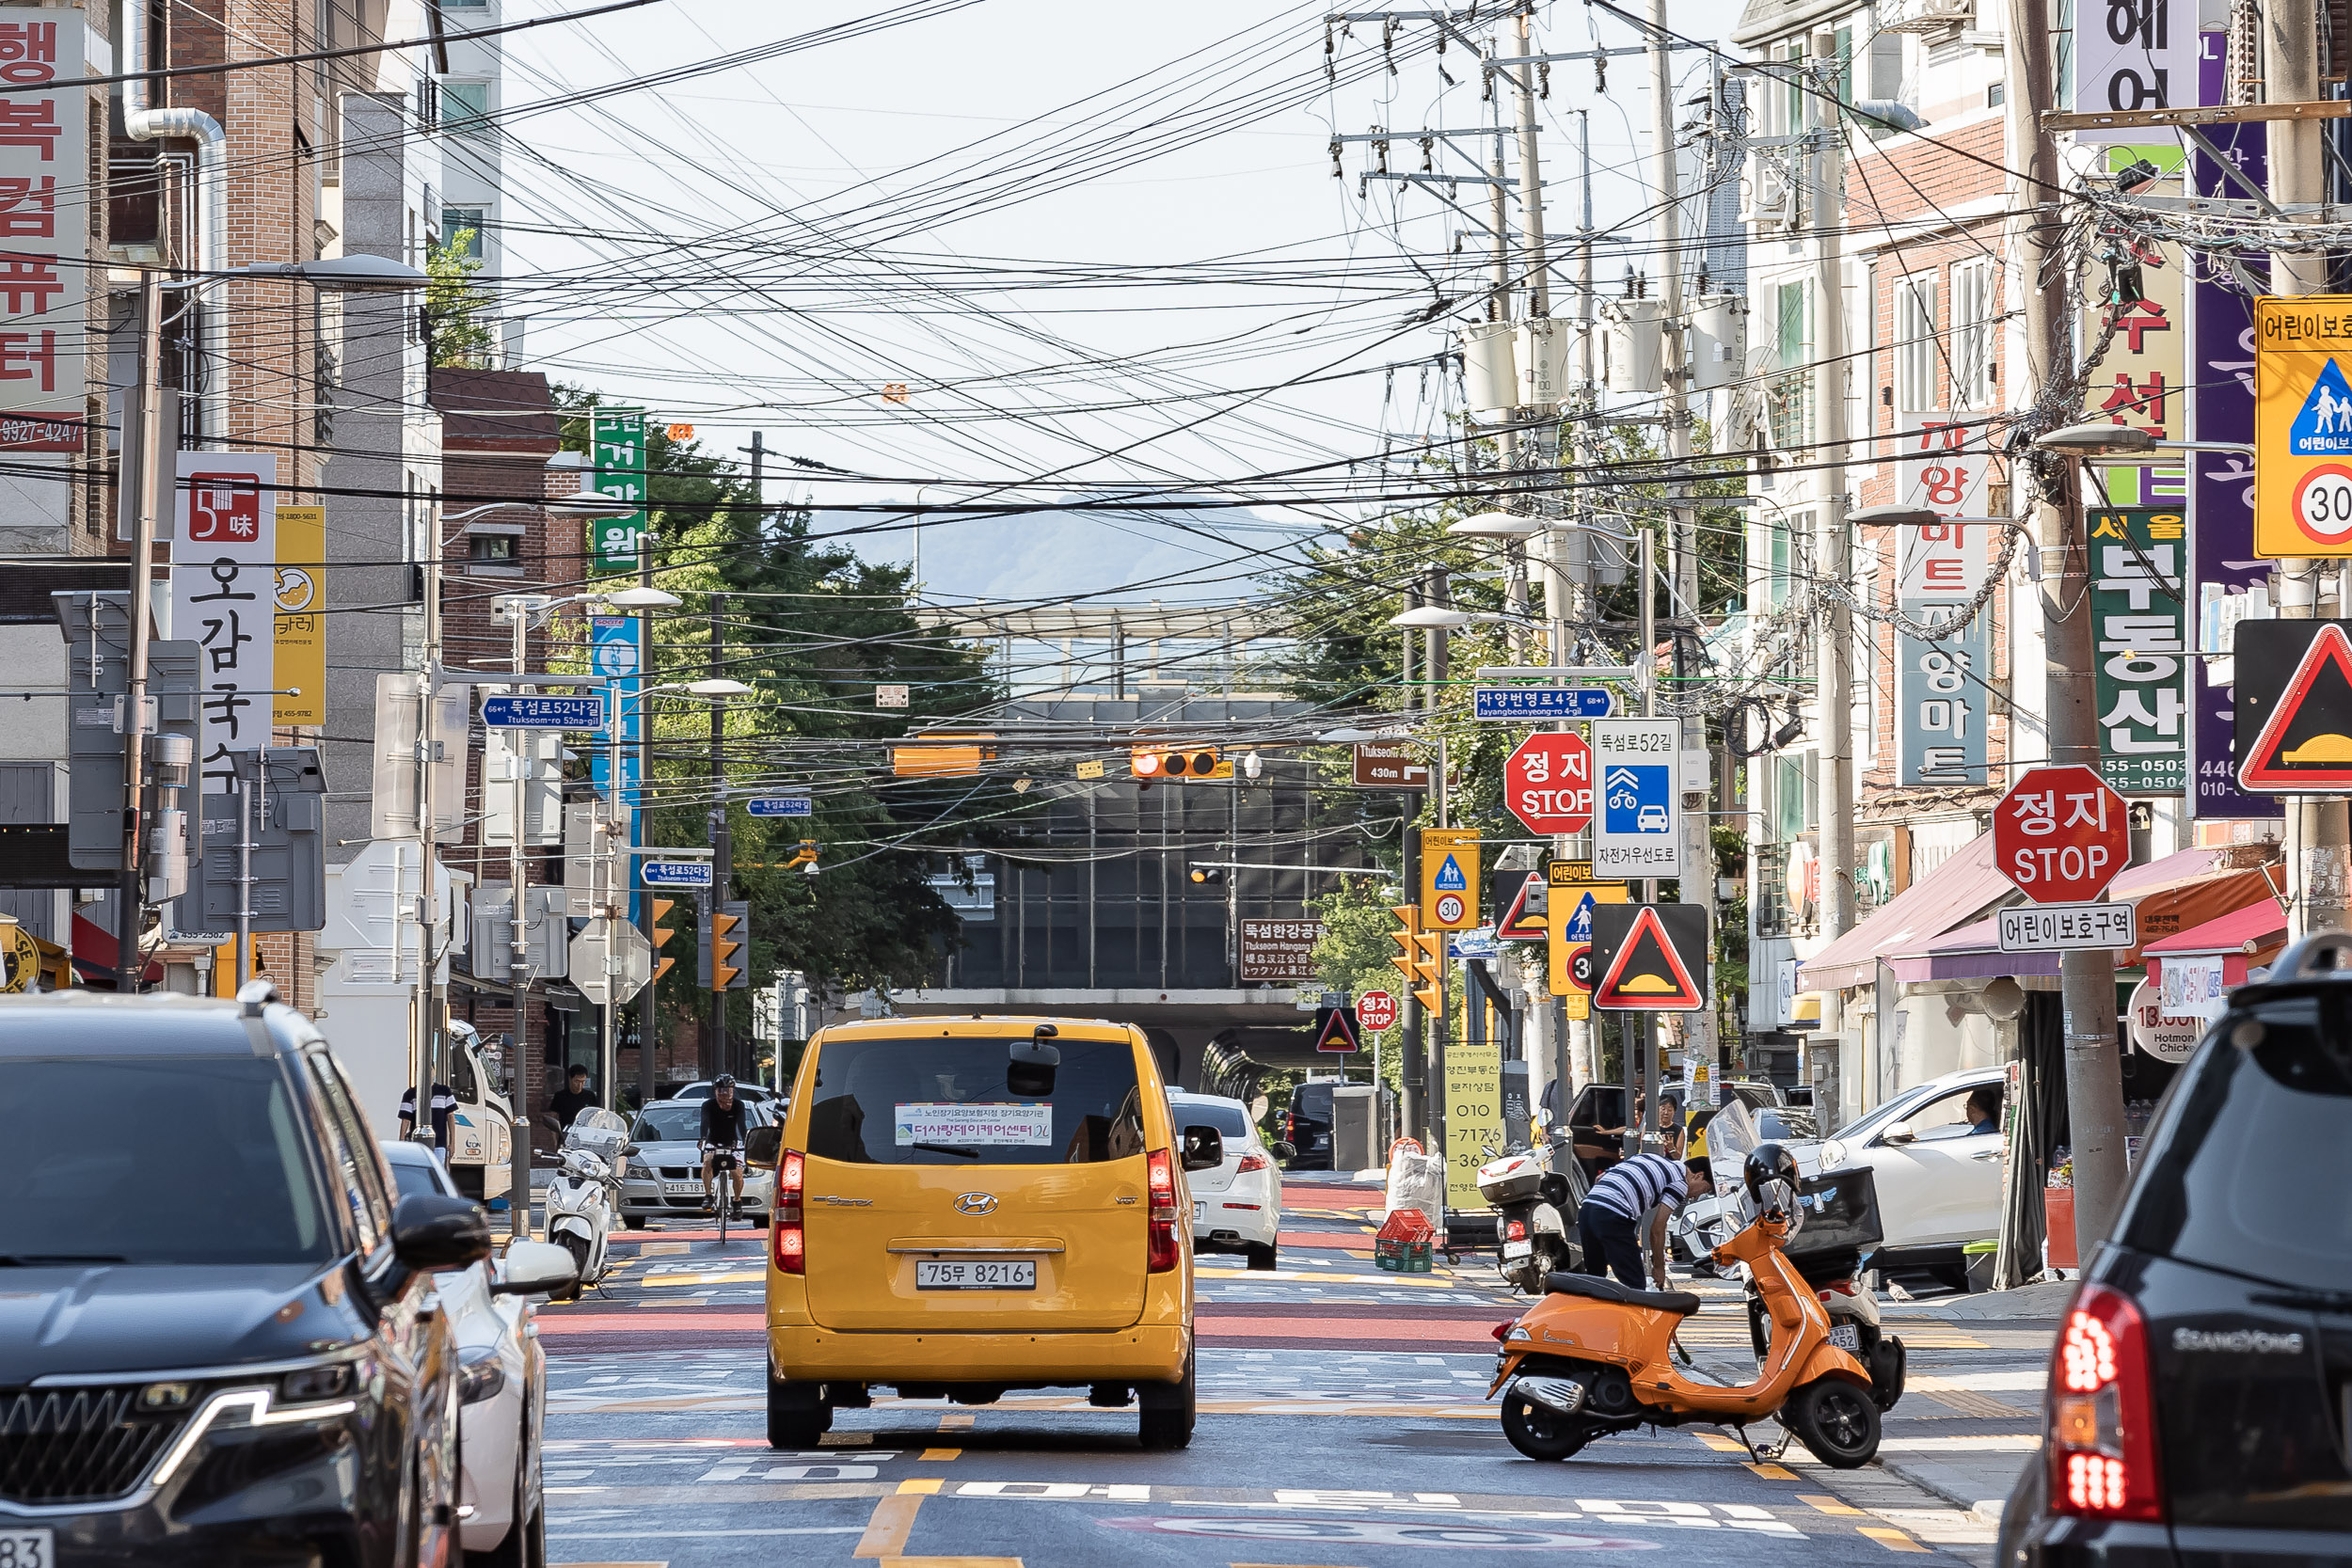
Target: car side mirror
533	1269
760	1147
1900	1132
1282	1148
1204	1148
631	1148
433	1231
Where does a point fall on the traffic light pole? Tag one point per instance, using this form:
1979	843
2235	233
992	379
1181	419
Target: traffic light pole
129	970
722	838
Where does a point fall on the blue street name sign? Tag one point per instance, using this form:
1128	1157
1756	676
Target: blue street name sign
780	805
675	872
1541	701
543	713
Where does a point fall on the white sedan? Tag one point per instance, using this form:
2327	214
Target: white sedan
1237	1206
502	1386
1936	1156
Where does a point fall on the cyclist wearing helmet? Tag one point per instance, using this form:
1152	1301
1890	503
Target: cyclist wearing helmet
722	1129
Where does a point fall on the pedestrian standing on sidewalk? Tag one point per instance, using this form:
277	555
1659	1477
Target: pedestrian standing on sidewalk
1614	1214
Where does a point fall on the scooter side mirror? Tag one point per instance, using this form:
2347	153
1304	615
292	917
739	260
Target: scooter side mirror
1900	1132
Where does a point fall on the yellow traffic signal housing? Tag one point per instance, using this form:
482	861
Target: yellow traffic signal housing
1421	974
661	933
1177	764
724	944
1428	970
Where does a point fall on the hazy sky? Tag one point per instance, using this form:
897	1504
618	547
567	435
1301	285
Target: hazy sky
1097	249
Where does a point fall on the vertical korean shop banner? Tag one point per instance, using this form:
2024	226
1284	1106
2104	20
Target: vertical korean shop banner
44	266
2139	623
617	452
1942	682
224	595
2232	583
300	645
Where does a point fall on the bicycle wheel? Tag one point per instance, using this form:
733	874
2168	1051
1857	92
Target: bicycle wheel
719	1199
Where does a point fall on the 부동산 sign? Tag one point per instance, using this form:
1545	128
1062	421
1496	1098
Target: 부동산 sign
2139	627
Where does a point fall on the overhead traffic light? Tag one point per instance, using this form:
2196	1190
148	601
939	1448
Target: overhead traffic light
1410	915
1429	970
1179	763
661	933
724	931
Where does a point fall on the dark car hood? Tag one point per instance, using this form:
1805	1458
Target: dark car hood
91	1318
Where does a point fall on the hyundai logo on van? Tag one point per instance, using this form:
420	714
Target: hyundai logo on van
976	1203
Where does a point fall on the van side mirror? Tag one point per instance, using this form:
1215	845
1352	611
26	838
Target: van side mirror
760	1145
1204	1148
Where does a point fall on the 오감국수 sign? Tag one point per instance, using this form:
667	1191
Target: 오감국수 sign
974	1126
2140	619
224	596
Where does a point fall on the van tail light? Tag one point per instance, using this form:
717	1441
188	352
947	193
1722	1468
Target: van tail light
1163	1220
2102	1416
1250	1162
785	1223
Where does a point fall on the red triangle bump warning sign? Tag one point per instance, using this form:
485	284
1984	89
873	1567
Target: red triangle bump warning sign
1528	918
2306	744
1648	972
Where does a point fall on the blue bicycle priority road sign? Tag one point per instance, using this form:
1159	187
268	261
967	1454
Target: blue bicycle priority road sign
1450	879
1540	702
543	713
2324	428
675	872
1638	798
780	805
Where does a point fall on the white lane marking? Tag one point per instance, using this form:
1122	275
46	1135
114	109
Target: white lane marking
1052	1490
701	1534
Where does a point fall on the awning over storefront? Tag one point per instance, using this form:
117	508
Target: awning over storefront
1961	887
2241	938
2170	895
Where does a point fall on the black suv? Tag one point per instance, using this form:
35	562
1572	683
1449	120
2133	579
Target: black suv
2199	1403
216	1338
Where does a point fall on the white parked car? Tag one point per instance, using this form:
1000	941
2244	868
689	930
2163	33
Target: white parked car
1937	1166
503	1386
1237	1206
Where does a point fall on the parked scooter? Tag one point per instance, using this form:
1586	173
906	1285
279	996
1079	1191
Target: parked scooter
585	1191
1595	1357
1534	1215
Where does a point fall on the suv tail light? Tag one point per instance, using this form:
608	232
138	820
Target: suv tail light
1250	1162
791	1240
1163	1219
2101	1431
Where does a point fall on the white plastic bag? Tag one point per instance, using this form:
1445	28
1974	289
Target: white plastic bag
1417	1182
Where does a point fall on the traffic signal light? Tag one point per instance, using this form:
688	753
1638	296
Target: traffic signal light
1177	764
1410	915
661	962
724	945
1429	970
803	858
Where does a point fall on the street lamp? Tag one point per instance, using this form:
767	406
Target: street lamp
1430	617
1496	525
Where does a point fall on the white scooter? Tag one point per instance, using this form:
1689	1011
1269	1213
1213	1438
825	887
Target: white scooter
1532	1204
585	1194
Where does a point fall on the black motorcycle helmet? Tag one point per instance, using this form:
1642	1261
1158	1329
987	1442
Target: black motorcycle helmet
724	1081
1770	1162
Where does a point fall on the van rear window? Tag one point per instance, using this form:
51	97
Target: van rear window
2236	1165
963	1100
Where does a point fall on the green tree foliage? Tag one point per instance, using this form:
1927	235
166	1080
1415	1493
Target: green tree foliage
456	305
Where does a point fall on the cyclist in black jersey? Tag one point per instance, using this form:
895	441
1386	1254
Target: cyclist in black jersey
724	1119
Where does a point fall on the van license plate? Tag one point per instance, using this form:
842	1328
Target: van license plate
1846	1337
27	1549
932	1275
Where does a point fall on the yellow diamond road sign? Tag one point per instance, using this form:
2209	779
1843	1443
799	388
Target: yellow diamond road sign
2303	426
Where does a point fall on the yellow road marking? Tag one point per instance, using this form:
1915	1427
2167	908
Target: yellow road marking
1829	1504
920	1486
746	1277
950	1424
1773	1472
893	1521
941	1456
1892	1539
1722	1444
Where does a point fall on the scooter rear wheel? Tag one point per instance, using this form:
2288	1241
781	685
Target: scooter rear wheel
1835	1419
1542	1433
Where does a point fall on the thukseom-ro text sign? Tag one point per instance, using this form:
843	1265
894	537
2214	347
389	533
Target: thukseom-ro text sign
543	713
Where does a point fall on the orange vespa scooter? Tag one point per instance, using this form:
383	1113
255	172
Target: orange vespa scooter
1595	1357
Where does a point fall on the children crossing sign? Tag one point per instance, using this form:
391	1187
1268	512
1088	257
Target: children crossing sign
1449	870
2303	426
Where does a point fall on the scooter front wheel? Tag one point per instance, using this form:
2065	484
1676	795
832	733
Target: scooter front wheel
1539	1432
1838	1422
578	1247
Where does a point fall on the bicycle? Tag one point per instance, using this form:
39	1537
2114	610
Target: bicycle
721	1197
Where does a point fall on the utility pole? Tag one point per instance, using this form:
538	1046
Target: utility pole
1698	849
1833	541
1540	447
424	1067
646	679
2094	1084
2318	829
129	970
519	947
721	835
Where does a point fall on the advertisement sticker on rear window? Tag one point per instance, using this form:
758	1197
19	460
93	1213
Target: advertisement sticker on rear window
974	1125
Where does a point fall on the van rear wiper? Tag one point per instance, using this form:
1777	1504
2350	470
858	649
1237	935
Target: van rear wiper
949	1148
34	1259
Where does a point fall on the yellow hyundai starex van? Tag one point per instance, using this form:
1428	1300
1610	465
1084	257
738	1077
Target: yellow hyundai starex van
969	1205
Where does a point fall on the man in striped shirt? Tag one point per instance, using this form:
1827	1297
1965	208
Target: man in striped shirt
1610	1221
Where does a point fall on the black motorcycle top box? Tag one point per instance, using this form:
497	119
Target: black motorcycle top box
1841	1214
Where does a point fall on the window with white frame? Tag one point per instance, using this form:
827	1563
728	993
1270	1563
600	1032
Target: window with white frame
1916	348
1976	312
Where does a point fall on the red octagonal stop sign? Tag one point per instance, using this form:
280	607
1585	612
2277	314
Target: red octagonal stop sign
1547	784
1375	1011
2061	834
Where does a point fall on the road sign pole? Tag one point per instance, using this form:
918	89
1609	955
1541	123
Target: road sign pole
1412	1068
